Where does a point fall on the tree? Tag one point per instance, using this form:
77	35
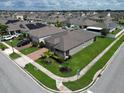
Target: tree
3	29
48	54
34	44
104	32
58	24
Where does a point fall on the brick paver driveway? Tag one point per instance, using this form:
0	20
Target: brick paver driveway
37	54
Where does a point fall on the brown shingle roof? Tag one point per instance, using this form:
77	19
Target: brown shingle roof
45	31
70	39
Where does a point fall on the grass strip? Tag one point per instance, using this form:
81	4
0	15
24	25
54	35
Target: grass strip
43	78
14	55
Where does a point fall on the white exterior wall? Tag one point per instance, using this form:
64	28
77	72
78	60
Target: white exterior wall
20	17
42	39
77	49
112	30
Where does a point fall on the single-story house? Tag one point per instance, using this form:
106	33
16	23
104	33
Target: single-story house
23	26
69	42
54	18
82	22
40	34
111	26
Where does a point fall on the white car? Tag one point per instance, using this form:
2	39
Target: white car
16	35
8	37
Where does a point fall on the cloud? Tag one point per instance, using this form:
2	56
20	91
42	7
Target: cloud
60	4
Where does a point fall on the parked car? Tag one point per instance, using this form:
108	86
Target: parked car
16	35
7	37
23	42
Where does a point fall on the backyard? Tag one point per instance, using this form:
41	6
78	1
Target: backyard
80	59
88	77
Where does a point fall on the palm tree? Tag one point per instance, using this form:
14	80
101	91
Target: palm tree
48	54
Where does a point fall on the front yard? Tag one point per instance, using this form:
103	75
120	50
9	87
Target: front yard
43	78
88	77
29	50
79	60
14	42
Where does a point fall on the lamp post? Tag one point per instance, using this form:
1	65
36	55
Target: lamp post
78	73
12	46
0	42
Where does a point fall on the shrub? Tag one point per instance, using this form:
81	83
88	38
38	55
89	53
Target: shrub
3	48
47	60
41	44
104	32
64	69
34	44
58	59
20	37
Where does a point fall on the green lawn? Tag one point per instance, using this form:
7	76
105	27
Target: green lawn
29	50
2	46
14	55
116	31
14	42
43	78
80	59
87	78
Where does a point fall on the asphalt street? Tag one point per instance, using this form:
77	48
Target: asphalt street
13	80
112	80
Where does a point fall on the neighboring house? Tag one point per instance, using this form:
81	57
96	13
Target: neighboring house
54	18
17	27
23	26
20	17
82	22
107	23
111	26
69	42
3	21
13	29
39	35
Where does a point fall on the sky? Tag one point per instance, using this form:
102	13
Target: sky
61	4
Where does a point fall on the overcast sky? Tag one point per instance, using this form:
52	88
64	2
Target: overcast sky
61	4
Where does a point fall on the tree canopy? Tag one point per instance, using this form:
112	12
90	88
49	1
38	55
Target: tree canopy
3	29
104	32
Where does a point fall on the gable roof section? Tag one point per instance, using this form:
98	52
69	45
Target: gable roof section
45	31
70	39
